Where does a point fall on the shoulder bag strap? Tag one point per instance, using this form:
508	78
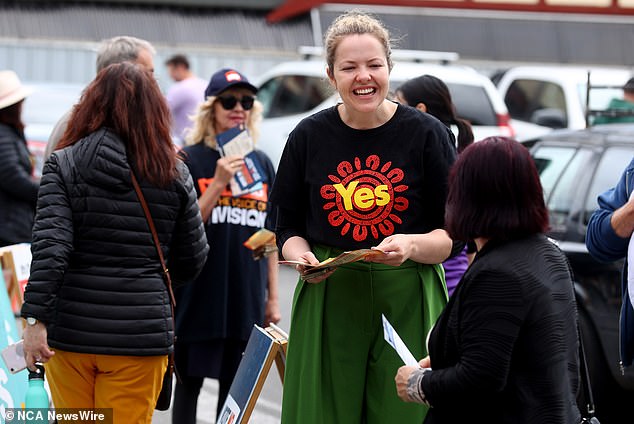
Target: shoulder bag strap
166	273
584	381
585	378
157	244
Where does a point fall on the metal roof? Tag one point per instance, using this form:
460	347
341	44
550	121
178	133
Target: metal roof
493	37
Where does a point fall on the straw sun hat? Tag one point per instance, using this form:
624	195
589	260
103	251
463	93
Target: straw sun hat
11	90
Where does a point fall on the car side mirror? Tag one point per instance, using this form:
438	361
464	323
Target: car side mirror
549	117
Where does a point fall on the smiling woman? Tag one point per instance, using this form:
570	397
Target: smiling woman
342	186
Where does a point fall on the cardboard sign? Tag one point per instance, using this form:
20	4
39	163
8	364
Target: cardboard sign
265	345
16	262
12	386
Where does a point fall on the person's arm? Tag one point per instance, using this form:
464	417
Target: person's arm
409	382
272	312
622	220
51	247
226	168
611	225
56	134
430	248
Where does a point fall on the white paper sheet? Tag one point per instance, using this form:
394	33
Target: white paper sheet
394	340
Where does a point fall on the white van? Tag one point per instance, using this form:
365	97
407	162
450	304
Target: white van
542	98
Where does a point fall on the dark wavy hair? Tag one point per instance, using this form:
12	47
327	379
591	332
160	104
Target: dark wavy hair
434	93
126	98
495	193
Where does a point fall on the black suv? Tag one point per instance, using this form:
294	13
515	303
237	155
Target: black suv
575	167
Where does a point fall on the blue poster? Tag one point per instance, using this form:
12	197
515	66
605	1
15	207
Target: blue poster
250	371
12	386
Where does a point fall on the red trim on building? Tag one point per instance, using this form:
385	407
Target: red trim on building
292	8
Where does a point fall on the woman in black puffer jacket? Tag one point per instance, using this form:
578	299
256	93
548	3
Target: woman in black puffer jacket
95	294
18	187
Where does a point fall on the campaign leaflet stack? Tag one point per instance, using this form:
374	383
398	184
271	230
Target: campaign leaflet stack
238	141
312	271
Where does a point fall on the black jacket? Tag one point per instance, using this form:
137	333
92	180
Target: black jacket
18	192
95	275
505	349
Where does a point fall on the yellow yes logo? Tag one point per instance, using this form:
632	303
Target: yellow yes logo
364	197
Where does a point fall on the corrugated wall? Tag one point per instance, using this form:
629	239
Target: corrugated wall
58	42
229	29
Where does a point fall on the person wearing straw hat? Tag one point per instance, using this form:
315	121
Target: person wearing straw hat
18	187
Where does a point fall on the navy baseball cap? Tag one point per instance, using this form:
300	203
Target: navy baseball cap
227	78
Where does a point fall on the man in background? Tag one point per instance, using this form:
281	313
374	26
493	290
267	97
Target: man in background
113	50
183	96
623	108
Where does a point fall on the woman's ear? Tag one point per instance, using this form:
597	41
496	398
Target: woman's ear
422	107
331	77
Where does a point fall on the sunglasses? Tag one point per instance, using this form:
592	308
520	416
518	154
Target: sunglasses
229	102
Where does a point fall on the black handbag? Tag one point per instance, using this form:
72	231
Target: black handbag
165	396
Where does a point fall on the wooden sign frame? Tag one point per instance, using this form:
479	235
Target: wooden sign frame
12	283
265	346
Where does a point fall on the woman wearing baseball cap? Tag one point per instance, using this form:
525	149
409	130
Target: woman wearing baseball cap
216	313
18	187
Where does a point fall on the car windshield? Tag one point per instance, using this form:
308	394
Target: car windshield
472	103
292	94
561	169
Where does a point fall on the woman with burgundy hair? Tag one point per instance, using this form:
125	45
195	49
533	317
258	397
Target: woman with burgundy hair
97	308
507	338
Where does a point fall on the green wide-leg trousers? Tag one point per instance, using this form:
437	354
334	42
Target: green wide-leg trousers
339	368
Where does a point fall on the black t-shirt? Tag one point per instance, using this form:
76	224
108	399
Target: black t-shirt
351	188
228	296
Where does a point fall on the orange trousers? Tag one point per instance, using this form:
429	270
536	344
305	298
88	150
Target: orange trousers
129	385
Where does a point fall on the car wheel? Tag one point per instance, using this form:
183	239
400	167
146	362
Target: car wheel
609	397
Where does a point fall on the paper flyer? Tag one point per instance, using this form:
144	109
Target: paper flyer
230	412
394	340
330	263
237	141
